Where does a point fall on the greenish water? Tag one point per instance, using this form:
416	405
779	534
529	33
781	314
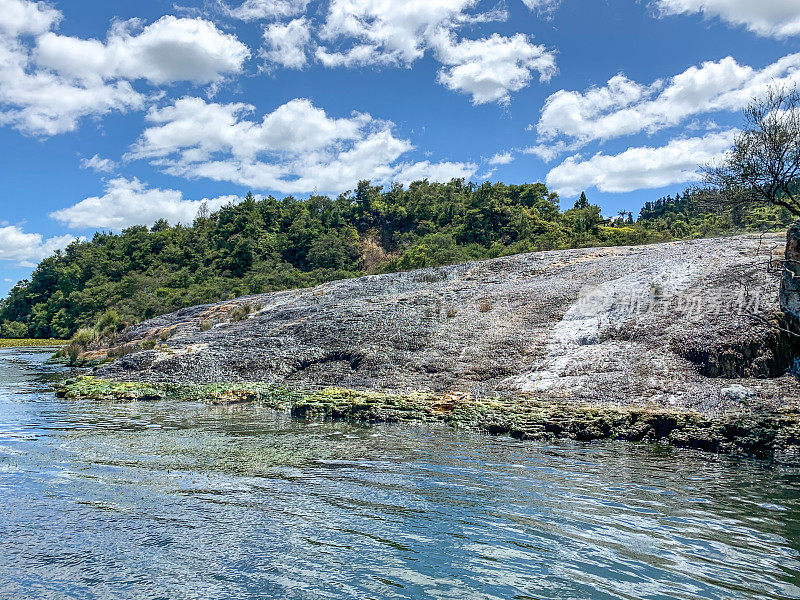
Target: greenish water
181	500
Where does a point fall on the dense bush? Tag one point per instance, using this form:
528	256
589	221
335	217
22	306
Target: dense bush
13	330
263	245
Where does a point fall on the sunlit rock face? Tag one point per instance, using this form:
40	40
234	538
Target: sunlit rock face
790	281
669	325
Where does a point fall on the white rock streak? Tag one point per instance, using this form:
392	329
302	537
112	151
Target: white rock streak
600	309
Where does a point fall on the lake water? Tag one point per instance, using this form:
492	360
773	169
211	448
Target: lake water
183	500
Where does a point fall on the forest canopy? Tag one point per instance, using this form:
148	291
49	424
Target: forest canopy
265	245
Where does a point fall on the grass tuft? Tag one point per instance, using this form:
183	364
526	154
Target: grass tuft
240	313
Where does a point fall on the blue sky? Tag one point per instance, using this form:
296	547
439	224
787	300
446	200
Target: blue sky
119	113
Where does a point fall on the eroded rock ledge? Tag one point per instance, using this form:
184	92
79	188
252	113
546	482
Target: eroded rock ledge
774	435
685	328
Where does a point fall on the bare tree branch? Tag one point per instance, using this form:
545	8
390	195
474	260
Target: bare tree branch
764	163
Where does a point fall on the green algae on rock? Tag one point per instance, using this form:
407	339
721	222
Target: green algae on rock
30	343
88	387
762	435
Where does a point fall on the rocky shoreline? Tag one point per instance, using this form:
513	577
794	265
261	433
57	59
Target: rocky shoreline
774	435
678	343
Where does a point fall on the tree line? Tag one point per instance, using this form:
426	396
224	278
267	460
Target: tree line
269	244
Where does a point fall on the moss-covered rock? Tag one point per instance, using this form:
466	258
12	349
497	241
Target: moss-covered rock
772	435
94	388
29	343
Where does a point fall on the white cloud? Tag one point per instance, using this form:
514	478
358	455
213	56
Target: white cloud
295	148
388	32
41	103
357	56
252	10
285	44
198	128
27	249
640	167
443	171
776	18
490	68
98	164
552	149
502	158
542	6
47	91
625	107
380	33
20	17
129	202
169	50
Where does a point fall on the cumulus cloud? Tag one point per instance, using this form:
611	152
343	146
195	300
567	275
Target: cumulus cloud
296	148
375	32
252	10
388	32
640	167
37	101
98	164
625	107
129	202
285	44
48	88
41	103
501	158
27	249
169	50
489	69
199	128
21	17
776	18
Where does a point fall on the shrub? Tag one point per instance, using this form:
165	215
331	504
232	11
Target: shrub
485	306
430	277
73	352
657	290
122	350
14	330
240	313
451	312
84	337
205	325
109	323
77	345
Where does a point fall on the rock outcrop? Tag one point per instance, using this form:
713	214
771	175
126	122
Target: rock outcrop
790	280
691	325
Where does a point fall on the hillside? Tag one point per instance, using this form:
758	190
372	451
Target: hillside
681	324
265	245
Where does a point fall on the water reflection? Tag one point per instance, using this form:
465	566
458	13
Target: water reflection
181	500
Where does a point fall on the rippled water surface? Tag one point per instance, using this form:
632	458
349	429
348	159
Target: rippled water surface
181	500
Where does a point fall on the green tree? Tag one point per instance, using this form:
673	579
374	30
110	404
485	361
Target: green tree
582	202
13	330
261	245
763	166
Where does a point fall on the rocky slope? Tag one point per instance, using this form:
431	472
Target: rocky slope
685	325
